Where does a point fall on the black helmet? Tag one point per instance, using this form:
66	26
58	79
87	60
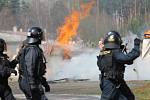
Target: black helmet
112	40
3	45
115	33
35	35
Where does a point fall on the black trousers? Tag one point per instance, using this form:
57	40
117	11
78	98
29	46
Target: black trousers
112	91
36	93
6	93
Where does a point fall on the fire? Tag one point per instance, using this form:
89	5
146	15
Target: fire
70	27
147	34
86	8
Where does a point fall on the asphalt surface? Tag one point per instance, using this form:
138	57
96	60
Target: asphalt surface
63	97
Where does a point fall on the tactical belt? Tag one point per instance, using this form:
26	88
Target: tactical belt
113	75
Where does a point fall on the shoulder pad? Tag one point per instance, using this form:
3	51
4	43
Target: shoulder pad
105	52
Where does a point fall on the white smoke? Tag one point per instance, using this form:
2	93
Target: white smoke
139	70
84	65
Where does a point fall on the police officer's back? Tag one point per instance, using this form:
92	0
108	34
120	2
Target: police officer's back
6	68
111	64
31	68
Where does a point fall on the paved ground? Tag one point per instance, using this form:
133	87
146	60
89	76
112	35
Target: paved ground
65	91
86	90
76	88
63	97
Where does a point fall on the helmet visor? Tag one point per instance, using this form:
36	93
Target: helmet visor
5	47
43	37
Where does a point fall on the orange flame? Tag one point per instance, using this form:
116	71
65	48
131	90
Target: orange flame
147	34
86	8
70	27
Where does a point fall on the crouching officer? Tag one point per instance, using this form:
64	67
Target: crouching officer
31	68
111	63
6	68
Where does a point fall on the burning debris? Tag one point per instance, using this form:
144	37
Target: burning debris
70	28
147	34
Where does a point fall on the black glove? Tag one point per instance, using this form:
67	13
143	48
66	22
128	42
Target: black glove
12	71
47	88
123	48
137	41
98	57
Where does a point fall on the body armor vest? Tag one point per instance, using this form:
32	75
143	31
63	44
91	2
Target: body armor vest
109	67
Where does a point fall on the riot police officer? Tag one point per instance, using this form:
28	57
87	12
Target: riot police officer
31	64
6	68
42	79
111	63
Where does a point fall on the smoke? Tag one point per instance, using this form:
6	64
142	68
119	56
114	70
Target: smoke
139	70
83	65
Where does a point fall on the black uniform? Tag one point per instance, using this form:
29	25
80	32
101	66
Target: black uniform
111	63
42	78
31	70
31	65
5	72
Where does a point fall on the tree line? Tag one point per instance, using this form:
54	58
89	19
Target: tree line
120	15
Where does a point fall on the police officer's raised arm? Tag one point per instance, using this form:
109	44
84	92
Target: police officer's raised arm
129	57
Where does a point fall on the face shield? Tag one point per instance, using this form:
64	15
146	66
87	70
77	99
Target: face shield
35	35
5	47
42	37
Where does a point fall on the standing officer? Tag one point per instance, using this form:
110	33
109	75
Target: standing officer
111	63
31	64
6	68
42	79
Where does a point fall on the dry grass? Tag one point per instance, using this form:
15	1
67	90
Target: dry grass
142	92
